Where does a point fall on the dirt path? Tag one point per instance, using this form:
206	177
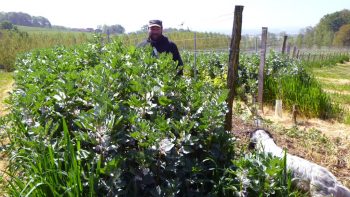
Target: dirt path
6	83
3	95
329	128
5	88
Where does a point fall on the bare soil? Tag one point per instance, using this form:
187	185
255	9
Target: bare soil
4	93
331	128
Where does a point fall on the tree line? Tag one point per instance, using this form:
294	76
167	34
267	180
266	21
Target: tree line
24	19
333	30
7	19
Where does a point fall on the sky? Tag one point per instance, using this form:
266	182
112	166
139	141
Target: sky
289	16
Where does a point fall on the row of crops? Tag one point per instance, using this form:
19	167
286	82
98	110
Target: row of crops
285	78
107	120
13	42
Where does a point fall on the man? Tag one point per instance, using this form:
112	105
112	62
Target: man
161	44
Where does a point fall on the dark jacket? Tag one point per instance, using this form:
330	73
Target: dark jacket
164	45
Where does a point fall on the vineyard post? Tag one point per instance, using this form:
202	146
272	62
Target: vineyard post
294	52
232	74
298	54
294	114
284	43
195	56
261	68
288	50
108	39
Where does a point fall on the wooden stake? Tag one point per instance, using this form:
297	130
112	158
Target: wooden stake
294	52
261	68
295	113
284	44
233	63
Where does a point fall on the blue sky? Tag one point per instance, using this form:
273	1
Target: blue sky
205	15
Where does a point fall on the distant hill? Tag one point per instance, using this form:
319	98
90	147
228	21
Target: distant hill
26	20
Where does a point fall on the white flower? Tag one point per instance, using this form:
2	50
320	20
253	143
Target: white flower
166	145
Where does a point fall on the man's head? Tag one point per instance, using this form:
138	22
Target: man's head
155	29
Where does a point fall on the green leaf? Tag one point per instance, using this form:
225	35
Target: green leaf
163	100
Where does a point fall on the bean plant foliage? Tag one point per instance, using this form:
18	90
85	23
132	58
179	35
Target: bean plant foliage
110	120
113	121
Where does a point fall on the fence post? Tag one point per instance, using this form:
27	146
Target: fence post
232	74
261	68
284	44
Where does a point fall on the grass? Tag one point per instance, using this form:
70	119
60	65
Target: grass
49	165
13	43
336	86
42	30
341	98
336	81
339	71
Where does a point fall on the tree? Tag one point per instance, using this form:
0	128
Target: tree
309	34
117	29
113	29
6	25
323	33
299	40
2	16
39	21
19	18
342	37
272	40
144	28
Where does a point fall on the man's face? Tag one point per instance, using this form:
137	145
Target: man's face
154	32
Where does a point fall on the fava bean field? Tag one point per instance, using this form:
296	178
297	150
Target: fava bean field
112	120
